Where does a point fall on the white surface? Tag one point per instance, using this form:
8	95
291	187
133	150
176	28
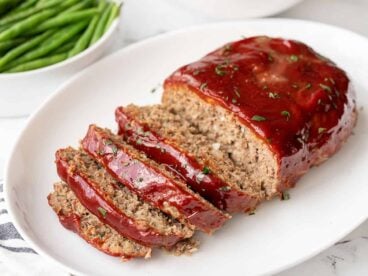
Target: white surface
323	208
235	9
22	92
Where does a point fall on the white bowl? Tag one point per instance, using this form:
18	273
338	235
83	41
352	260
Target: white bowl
21	93
237	9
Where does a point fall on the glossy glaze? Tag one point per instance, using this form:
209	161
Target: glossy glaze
94	200
163	151
294	99
72	223
149	183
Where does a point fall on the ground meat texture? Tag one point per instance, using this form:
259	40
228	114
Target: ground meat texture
115	204
75	217
167	138
273	105
151	181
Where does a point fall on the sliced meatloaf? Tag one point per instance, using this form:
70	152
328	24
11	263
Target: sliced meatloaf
274	106
151	181
75	217
168	138
114	204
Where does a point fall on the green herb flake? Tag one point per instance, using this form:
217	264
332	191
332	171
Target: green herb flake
196	72
321	130
203	86
258	118
233	100
286	114
251	213
139	141
237	92
225	188
102	211
293	58
114	149
219	70
273	95
325	87
270	58
308	85
107	142
285	195
153	90
206	170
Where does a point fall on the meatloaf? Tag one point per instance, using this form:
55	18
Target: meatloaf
169	139
151	181
114	204
75	217
274	106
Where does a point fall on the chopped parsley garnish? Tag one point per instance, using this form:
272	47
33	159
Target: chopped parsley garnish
102	211
293	58
251	213
325	87
233	100
285	195
139	141
258	118
203	86
153	90
114	149
286	114
308	85
107	142
196	72
270	58
225	188
206	170
237	92
140	179
220	70
273	95
321	130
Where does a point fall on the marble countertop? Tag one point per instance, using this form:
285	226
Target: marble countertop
346	257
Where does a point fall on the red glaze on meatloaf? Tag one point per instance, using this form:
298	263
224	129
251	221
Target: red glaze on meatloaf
298	102
208	185
151	182
101	205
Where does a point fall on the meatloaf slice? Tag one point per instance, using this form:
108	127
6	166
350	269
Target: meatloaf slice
116	205
151	181
274	106
75	217
167	138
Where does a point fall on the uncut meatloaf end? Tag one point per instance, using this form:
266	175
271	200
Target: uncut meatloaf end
274	106
75	217
114	204
170	139
151	181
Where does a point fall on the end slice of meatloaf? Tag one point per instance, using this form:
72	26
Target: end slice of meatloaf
151	181
274	106
169	139
114	204
78	219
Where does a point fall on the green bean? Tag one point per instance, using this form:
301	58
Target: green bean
79	6
26	25
6	5
66	19
114	13
25	5
29	12
53	42
65	48
84	40
101	24
7	45
18	51
39	63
